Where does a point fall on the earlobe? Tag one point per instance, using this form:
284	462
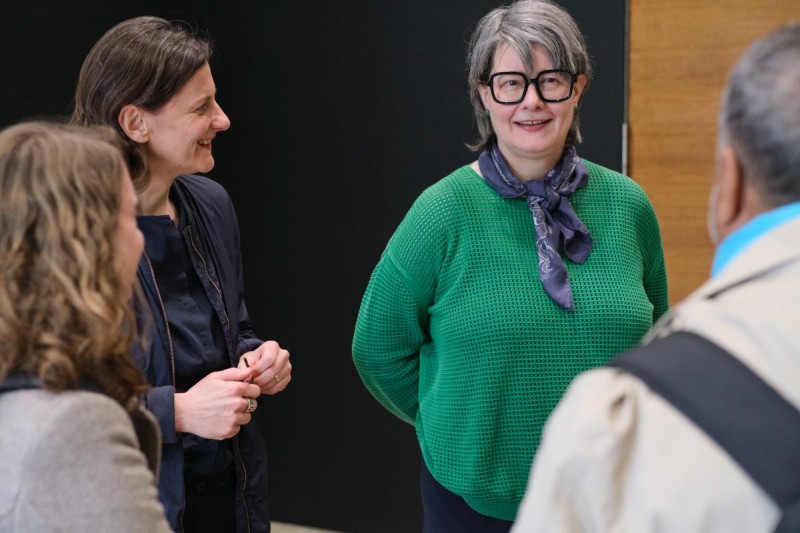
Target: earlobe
132	121
577	90
483	90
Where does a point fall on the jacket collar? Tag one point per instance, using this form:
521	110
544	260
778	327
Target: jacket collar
770	252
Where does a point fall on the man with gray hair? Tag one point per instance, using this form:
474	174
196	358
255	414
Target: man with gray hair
699	429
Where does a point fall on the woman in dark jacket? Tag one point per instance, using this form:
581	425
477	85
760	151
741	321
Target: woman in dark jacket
150	79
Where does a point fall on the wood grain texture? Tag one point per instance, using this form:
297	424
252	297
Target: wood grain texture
680	55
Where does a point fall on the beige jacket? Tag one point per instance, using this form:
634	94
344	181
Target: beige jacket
616	457
76	462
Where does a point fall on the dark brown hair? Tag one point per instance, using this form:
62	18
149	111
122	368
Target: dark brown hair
142	61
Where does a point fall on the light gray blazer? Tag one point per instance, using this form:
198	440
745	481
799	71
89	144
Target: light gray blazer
73	462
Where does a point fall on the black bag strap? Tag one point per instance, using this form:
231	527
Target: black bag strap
757	426
18	381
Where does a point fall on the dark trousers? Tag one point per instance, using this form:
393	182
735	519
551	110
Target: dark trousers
446	512
210	503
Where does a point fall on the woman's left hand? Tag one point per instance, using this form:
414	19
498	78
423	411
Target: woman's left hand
272	370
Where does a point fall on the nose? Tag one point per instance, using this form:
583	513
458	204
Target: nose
220	122
532	99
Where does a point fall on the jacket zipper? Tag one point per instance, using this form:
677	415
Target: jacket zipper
164	316
228	320
171	354
208	276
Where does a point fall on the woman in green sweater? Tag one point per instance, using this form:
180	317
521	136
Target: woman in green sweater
508	277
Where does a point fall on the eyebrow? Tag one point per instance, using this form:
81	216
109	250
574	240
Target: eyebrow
206	98
201	100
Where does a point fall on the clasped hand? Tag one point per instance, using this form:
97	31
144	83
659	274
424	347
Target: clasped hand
214	408
272	370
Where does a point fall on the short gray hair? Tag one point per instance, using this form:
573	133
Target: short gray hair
760	115
521	25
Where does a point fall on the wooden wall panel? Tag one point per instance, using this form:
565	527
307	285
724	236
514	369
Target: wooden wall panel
680	55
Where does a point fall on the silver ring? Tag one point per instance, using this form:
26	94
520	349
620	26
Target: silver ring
251	406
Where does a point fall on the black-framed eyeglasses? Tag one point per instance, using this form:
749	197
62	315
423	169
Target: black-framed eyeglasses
551	86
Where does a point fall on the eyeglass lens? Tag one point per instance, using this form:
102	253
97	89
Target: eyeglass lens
509	88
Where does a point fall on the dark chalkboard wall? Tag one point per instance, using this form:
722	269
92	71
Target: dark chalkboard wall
321	175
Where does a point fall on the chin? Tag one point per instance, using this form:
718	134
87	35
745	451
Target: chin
202	169
536	147
208	167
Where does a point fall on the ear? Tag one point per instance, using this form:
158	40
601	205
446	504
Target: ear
133	122
730	207
485	93
577	89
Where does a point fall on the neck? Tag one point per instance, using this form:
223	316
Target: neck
154	200
531	169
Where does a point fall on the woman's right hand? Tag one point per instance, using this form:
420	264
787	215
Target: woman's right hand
214	408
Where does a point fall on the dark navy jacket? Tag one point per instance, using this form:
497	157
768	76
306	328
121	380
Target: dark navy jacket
211	221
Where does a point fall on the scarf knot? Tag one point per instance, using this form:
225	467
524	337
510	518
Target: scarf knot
539	192
555	222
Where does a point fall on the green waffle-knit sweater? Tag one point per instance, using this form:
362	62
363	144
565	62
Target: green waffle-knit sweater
457	336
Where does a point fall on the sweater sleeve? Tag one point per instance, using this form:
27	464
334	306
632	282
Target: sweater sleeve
655	270
655	285
86	473
389	333
392	325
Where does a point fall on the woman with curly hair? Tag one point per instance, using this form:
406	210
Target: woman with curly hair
78	451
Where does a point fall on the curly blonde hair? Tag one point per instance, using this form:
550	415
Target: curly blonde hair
64	315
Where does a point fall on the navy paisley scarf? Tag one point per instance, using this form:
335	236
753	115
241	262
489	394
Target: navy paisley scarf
554	220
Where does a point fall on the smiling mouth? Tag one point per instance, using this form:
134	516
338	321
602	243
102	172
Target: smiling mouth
204	142
532	122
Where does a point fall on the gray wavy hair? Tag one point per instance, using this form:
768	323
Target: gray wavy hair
760	114
521	25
